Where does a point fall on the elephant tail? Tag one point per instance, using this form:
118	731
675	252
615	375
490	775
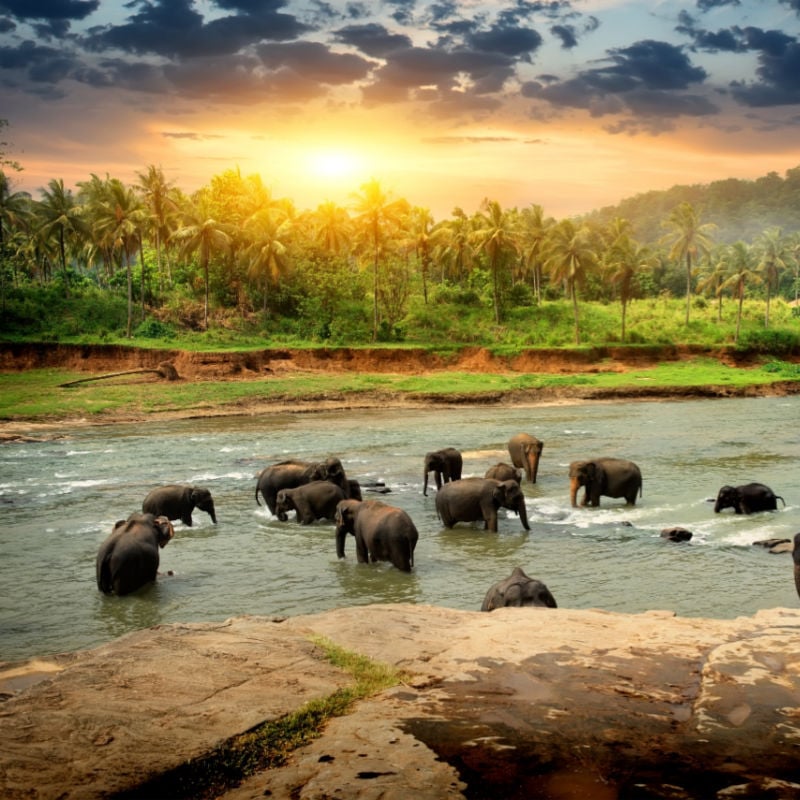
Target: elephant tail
778	497
257	488
104	582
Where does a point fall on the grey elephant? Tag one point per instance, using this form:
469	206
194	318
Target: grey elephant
311	501
518	590
473	499
747	499
608	477
446	465
525	451
796	559
128	559
292	473
177	502
382	532
504	472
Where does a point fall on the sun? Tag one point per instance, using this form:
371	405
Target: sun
333	164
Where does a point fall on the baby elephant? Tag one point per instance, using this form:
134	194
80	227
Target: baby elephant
128	559
382	532
518	590
504	472
178	502
747	499
312	501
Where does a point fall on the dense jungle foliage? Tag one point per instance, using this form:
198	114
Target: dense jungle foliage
231	265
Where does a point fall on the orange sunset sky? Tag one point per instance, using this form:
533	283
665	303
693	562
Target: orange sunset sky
571	104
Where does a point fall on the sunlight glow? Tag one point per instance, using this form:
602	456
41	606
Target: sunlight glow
333	164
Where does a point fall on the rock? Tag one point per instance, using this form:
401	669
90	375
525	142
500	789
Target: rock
776	545
493	705
676	534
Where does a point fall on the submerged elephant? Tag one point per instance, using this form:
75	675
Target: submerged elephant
311	501
609	477
504	472
525	451
747	499
178	502
446	465
292	473
128	559
473	499
518	590
382	532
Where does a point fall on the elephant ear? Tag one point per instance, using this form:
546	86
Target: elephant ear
164	529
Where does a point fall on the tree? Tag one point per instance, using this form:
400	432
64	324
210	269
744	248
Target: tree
203	235
739	269
568	255
623	259
712	280
378	216
161	208
420	225
269	231
687	239
534	229
451	245
58	213
772	259
14	211
496	237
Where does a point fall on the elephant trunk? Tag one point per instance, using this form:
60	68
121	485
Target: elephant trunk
574	485
425	482
523	514
796	559
341	534
533	466
212	513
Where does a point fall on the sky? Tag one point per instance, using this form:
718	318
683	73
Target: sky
569	104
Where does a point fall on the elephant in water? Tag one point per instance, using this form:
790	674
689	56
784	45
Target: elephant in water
382	532
311	501
518	590
747	499
293	473
504	472
609	477
128	559
472	499
178	502
446	465
525	451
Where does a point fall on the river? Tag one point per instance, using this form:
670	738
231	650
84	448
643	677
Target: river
59	500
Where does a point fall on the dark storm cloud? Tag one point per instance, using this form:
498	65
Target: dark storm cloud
40	64
7	25
372	39
646	79
779	79
137	76
50	9
172	28
507	40
315	62
53	29
567	35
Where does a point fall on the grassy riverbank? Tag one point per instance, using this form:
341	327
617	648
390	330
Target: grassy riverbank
38	395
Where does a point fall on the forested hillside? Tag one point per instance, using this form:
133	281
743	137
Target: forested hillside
741	209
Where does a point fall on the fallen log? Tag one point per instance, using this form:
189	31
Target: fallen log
164	370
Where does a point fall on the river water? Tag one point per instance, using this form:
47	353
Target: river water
59	500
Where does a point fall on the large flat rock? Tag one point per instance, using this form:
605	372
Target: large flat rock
551	703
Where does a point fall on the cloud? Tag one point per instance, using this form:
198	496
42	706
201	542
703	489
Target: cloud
315	62
50	9
372	39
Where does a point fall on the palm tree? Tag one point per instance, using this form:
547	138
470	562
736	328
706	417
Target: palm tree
452	246
58	213
497	238
14	212
568	255
534	228
161	207
118	218
687	239
269	231
624	259
711	281
378	216
332	229
201	233
420	225
772	260
739	264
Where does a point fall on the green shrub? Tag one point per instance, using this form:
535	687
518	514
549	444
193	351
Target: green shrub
154	329
777	341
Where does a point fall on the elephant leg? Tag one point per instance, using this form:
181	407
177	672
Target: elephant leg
362	551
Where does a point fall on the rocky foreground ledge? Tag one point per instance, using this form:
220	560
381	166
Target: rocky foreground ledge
534	703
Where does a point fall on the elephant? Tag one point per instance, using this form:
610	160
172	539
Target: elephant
796	559
382	532
747	499
311	501
292	473
610	477
446	465
504	472
128	559
525	451
471	499
518	590
178	502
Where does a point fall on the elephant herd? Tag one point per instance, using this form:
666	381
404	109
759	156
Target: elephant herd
128	559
